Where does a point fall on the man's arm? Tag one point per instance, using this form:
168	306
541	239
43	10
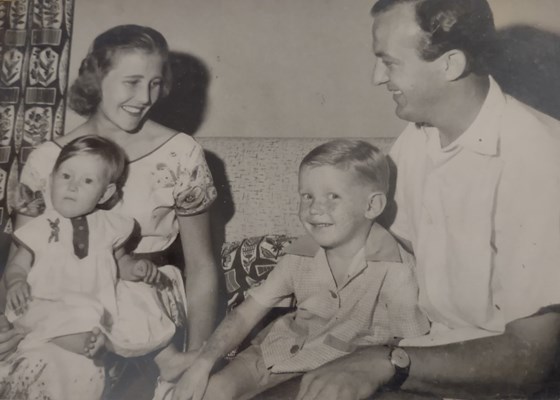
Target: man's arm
515	363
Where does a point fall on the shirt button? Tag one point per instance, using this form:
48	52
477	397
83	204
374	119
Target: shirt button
81	245
333	294
294	349
80	228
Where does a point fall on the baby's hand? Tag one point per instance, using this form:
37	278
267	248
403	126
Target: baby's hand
146	271
18	295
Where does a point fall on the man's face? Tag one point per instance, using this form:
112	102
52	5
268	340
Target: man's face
414	82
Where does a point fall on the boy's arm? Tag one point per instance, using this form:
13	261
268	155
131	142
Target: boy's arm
232	330
229	334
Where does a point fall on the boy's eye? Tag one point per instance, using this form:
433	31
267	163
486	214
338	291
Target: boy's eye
88	181
156	83
65	175
333	196
305	196
131	82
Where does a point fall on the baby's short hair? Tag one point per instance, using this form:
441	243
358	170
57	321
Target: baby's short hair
370	164
111	153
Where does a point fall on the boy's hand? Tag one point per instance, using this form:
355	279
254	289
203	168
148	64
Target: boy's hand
18	295
193	383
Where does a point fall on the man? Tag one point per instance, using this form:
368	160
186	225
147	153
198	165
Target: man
478	197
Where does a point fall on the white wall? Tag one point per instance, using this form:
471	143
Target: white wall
279	67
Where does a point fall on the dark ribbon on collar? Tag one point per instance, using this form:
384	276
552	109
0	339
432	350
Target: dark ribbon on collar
80	236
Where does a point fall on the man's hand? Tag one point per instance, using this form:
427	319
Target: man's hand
9	338
193	383
356	376
19	293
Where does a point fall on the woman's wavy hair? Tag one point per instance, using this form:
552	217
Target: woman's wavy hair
114	157
465	25
85	93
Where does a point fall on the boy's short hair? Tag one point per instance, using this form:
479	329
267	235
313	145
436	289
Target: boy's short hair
367	160
111	153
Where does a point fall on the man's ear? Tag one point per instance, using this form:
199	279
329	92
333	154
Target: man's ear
455	64
376	205
109	192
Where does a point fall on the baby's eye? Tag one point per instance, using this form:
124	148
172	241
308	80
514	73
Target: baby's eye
333	196
65	175
305	196
88	181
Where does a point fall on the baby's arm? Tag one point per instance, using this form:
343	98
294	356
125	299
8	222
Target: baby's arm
17	269
131	269
229	334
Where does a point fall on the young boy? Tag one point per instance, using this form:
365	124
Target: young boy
350	285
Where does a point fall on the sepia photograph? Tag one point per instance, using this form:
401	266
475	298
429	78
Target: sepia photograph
279	199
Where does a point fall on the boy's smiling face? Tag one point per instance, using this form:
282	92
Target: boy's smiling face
334	207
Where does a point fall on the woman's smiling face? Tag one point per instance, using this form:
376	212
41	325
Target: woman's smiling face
130	88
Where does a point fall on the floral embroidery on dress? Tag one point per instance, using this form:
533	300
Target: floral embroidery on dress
194	191
29	202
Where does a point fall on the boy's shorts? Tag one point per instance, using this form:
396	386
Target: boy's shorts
251	362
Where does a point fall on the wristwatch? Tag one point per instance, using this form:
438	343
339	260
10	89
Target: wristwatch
401	362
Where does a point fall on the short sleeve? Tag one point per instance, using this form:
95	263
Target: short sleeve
37	233
32	189
400	293
116	228
277	289
194	189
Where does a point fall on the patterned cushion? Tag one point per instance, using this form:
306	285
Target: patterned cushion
248	262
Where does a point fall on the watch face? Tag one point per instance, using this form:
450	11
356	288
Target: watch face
400	358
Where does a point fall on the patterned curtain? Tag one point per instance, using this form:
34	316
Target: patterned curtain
34	53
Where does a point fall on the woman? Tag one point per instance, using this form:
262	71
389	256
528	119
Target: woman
169	187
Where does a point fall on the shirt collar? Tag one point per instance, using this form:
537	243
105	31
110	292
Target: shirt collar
380	246
482	136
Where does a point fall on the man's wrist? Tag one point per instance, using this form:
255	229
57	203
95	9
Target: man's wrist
400	361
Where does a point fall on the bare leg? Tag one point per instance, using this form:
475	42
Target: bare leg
95	343
74	343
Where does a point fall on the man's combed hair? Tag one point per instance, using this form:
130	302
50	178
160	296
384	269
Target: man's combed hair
465	25
85	93
111	153
367	160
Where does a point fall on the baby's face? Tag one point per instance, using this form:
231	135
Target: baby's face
333	205
78	185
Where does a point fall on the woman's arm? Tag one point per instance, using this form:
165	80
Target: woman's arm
201	277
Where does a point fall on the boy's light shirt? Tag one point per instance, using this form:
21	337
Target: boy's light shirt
376	304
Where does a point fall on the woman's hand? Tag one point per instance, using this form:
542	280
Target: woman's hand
19	294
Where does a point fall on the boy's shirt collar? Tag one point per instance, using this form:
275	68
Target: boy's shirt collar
380	246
